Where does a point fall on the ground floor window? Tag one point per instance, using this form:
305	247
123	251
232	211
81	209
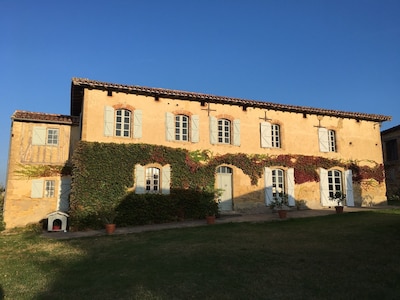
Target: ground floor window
152	180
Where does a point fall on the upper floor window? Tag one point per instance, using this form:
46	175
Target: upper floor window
122	122
52	136
270	135
224	131
391	152
327	140
45	136
181	127
49	188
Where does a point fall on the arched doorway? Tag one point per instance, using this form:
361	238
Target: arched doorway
224	184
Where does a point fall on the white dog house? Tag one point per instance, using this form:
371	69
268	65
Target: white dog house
57	221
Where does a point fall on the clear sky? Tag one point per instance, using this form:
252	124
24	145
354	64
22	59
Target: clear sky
336	54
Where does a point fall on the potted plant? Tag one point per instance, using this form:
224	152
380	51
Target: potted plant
301	204
280	204
108	214
339	197
211	207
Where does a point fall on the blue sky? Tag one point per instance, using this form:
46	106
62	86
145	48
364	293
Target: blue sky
332	54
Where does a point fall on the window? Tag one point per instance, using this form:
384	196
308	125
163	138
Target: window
334	182
276	143
332	141
327	140
270	135
181	128
224	131
277	183
152	180
44	136
392	152
122	122
42	188
49	188
52	136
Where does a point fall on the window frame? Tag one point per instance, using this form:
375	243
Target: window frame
49	189
52	136
181	121
335	182
120	132
224	131
331	140
275	136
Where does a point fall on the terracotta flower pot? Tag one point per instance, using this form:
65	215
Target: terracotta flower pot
110	228
282	214
210	219
339	209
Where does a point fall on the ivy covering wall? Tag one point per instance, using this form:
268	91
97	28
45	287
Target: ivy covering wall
103	173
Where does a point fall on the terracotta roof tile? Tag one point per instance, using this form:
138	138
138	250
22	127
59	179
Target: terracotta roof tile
191	96
44	117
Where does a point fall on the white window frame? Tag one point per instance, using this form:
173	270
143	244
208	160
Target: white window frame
272	188
52	136
182	128
335	182
152	180
49	188
144	179
327	140
275	136
332	140
123	122
224	131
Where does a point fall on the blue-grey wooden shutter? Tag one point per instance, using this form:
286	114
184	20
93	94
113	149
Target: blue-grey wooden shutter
169	126
137	124
323	139
108	121
348	174
324	187
268	185
290	186
165	179
37	188
194	129
140	180
213	130
236	132
39	135
266	136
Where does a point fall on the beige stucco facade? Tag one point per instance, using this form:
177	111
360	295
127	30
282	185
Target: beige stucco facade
357	138
29	160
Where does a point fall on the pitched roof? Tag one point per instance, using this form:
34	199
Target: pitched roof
21	115
79	84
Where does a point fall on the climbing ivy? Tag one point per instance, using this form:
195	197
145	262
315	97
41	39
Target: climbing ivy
104	172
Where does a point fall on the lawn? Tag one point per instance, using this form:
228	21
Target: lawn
348	256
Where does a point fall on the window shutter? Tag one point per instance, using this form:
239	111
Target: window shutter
108	121
290	186
39	136
195	129
236	132
324	187
63	198
323	139
213	130
169	126
165	179
266	136
140	180
137	124
268	185
37	188
348	174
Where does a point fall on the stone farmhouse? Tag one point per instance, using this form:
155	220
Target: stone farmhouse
264	150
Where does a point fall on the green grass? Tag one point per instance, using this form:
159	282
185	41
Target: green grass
349	256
